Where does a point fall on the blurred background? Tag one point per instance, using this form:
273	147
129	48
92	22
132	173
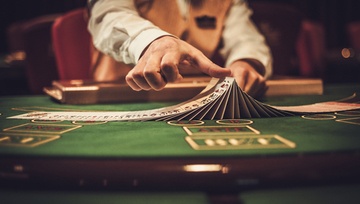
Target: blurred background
21	21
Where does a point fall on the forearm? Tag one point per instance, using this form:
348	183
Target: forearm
119	31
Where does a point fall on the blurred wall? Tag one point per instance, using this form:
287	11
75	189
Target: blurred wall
18	10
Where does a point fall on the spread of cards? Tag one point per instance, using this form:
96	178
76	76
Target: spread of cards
221	99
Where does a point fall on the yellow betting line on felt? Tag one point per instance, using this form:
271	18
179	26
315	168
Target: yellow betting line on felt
40	108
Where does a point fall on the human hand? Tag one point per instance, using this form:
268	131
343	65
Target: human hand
248	79
161	61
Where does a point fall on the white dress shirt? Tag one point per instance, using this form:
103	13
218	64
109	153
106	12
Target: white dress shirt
119	31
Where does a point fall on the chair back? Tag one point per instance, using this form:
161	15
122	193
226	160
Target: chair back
32	37
297	45
353	32
72	44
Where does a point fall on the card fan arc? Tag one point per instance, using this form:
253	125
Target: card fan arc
220	99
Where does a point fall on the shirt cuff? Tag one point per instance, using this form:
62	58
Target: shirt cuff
140	43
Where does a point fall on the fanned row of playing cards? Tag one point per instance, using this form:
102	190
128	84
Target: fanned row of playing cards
221	99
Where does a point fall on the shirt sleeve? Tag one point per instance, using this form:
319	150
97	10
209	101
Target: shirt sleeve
242	40
119	31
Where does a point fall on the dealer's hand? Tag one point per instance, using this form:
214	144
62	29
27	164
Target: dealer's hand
248	78
161	61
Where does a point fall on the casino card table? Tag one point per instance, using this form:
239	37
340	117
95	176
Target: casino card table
261	157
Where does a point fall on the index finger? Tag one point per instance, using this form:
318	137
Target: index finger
208	67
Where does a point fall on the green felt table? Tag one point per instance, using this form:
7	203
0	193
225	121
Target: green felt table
155	155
